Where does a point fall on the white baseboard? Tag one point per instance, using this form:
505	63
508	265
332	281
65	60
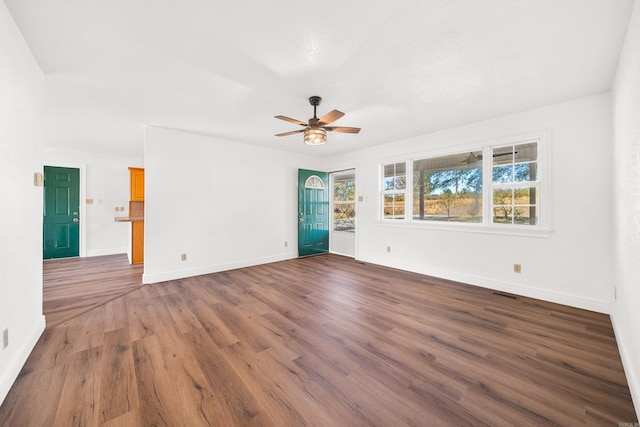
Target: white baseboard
630	370
102	252
592	304
341	254
21	358
208	269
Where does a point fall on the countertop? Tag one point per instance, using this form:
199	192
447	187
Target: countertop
129	218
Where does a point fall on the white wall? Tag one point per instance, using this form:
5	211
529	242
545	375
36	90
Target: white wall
106	181
573	265
625	311
224	204
21	108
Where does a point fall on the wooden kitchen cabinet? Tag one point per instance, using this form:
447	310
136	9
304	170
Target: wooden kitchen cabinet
137	184
136	212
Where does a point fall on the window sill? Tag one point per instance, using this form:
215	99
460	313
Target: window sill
505	230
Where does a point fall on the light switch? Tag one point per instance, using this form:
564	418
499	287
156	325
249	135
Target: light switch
38	179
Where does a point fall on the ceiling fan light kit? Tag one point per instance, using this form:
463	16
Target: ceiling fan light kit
315	136
315	131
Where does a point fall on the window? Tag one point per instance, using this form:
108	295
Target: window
394	188
514	184
314	181
494	186
448	188
344	202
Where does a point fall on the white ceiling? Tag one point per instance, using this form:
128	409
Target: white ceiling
396	68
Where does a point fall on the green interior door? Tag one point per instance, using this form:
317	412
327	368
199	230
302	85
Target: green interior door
313	212
61	223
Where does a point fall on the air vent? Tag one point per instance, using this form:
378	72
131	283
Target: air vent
503	294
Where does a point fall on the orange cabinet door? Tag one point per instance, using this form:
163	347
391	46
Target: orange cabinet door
137	184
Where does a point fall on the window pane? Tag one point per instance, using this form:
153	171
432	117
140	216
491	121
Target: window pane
524	172
395	177
515	206
502	174
389	175
448	188
517	163
344	188
344	206
531	216
502	196
344	217
503	214
398	206
526	152
503	155
525	196
393	206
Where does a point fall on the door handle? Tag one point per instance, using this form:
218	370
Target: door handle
75	220
301	220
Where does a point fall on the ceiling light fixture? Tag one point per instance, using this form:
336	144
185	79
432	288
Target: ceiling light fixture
315	131
315	136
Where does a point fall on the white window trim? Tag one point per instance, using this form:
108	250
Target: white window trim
542	229
405	191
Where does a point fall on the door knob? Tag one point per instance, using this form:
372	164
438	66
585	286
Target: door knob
301	220
75	220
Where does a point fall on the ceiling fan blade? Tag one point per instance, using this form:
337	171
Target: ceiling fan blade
342	129
330	117
471	159
289	119
290	133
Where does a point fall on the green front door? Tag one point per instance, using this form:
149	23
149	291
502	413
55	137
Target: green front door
313	212
61	222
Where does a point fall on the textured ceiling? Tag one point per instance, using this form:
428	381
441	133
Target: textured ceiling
397	69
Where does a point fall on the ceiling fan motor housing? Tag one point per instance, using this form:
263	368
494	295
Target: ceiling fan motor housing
315	100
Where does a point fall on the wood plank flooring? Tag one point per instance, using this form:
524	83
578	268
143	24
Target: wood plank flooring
322	341
72	286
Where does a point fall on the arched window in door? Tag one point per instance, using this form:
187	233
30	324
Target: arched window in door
314	181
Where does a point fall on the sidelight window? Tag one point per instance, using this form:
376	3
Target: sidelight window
344	202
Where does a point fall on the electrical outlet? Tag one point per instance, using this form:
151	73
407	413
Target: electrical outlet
183	257
517	268
286	244
388	248
5	338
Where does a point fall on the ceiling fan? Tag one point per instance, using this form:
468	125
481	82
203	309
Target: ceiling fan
473	159
315	132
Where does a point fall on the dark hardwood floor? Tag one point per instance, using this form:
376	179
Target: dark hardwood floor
322	341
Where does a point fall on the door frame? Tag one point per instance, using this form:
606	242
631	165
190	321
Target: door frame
82	205
331	207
